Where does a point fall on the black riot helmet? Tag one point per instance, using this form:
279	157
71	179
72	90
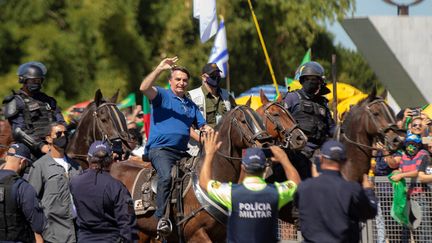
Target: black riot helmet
31	70
310	69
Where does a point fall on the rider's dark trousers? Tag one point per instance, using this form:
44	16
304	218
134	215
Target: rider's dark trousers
163	160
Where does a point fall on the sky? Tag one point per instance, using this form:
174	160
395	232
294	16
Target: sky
377	8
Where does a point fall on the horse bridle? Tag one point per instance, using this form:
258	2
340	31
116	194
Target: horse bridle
120	131
381	130
285	132
234	122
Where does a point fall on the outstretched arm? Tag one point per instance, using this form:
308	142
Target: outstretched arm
280	156
211	145
147	84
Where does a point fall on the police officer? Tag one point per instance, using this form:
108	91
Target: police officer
29	110
212	101
253	204
309	107
20	212
104	205
330	207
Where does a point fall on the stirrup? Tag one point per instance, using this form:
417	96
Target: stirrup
164	227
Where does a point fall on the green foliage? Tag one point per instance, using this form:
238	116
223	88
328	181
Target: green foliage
111	44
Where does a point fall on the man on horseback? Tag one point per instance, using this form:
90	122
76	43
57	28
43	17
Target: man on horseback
309	107
172	117
253	204
29	110
213	102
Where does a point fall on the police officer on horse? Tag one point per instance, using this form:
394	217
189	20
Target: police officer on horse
309	107
30	111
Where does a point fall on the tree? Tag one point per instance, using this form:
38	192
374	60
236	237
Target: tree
111	44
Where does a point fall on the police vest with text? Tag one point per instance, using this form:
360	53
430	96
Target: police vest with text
311	117
254	215
13	226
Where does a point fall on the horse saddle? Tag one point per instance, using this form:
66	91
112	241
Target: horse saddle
144	188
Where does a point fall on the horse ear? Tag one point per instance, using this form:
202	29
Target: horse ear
98	97
373	94
114	97
264	99
384	94
248	103
279	98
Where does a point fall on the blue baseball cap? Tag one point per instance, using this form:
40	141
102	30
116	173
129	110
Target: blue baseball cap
412	138
97	146
19	150
334	150
254	160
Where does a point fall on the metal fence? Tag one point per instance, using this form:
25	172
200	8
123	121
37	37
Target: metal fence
384	229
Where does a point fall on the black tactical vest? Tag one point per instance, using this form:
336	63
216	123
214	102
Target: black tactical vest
13	225
312	120
38	115
254	215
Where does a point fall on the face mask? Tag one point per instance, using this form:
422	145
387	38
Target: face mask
33	88
411	149
214	82
61	142
311	88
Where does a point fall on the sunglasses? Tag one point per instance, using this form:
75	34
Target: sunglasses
417	125
60	133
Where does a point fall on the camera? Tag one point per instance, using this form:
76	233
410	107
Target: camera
267	152
415	112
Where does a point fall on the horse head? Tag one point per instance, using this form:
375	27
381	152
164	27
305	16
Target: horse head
244	128
101	120
280	124
380	121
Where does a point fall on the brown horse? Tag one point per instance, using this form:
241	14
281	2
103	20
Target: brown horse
280	124
5	137
240	128
369	121
101	120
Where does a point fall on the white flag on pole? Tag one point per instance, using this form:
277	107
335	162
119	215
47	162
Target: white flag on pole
219	52
205	11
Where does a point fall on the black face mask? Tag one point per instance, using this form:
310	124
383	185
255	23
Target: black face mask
34	88
61	142
214	82
311	88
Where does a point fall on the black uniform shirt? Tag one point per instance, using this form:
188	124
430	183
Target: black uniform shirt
330	208
103	207
28	202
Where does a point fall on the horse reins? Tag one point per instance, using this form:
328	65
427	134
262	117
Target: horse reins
250	139
278	127
381	130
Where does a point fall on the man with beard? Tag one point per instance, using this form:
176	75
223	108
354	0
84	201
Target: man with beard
309	107
50	176
29	111
20	213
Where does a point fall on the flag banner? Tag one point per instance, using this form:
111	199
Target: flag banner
307	58
219	52
147	111
128	102
205	11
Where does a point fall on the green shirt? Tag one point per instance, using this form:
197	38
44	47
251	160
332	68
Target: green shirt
221	192
214	107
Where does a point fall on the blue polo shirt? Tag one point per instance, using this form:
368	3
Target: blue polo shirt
171	119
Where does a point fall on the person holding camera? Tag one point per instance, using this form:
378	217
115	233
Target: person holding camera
253	204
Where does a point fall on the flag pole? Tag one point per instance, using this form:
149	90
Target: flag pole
335	102
228	80
264	48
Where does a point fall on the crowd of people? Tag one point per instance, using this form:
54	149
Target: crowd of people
57	201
